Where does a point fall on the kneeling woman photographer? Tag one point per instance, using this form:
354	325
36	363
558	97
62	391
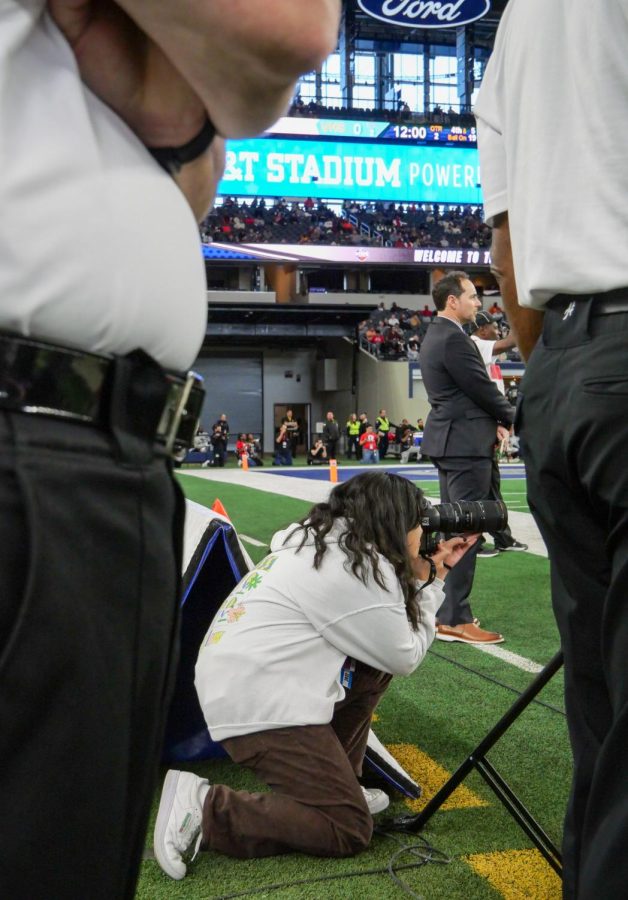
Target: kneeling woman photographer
292	668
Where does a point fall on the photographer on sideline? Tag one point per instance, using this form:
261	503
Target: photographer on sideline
292	668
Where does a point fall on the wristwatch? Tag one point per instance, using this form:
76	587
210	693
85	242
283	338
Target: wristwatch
172	159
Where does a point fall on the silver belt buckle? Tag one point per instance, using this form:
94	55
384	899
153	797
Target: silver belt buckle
176	409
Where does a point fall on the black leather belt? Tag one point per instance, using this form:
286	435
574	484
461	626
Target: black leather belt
605	304
131	392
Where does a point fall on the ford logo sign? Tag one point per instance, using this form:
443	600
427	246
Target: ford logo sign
426	13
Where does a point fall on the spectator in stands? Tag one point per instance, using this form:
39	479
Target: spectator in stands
382	427
368	443
283	455
317	455
298	224
353	436
496	311
420	424
376	342
331	435
412	349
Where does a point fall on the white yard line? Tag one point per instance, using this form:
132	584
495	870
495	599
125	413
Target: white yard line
253	541
526	665
301	488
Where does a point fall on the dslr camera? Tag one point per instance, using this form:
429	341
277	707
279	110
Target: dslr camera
443	520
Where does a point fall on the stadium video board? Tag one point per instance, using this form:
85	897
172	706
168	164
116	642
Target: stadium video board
359	160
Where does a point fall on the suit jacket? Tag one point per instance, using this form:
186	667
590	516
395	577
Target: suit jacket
466	405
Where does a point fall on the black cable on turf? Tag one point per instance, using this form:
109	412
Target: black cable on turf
507	687
421	848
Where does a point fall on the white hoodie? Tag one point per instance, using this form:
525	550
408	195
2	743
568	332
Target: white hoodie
273	655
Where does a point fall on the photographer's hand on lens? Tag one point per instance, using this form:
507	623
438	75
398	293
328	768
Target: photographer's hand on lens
451	551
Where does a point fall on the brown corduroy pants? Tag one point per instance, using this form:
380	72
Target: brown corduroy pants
316	805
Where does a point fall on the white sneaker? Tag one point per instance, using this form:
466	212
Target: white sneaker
376	800
179	820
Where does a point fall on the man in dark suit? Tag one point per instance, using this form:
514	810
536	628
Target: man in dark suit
468	415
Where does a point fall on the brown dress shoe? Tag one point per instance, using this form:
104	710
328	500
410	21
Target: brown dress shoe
469	633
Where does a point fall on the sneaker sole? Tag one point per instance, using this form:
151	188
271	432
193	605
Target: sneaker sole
168	794
450	640
513	550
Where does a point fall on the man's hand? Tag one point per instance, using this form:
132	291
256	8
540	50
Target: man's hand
162	67
129	72
502	436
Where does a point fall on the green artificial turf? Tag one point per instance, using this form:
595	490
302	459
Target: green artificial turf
444	708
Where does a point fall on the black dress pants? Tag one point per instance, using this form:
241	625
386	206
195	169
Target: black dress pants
89	572
503	538
461	478
573	422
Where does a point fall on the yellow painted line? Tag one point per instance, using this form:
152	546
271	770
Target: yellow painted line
431	777
518	874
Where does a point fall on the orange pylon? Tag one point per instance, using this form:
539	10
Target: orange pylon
219	508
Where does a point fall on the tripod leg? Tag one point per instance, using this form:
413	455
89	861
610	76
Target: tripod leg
417	822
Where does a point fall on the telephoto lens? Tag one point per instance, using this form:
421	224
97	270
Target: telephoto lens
442	520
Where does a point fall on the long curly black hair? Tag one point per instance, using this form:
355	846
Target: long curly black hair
380	509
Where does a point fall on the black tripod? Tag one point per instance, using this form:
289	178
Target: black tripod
477	760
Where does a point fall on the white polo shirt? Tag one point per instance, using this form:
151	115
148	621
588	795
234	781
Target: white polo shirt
552	134
493	369
98	247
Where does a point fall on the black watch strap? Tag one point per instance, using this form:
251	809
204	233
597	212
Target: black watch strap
172	159
433	574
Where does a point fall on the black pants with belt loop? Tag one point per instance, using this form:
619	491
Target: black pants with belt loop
573	422
89	573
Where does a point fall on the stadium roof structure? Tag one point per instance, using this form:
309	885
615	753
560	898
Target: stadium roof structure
284	321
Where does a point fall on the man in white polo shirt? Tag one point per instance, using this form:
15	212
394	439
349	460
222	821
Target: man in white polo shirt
109	115
489	343
552	128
